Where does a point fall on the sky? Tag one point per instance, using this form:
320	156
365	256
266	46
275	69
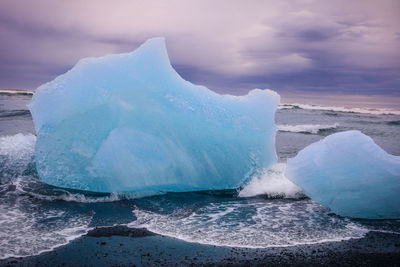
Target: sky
294	47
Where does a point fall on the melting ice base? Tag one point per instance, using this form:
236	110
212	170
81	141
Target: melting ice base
350	174
129	122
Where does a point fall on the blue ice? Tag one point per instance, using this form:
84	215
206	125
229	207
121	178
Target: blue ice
350	174
130	123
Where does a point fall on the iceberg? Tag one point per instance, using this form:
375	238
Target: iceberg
350	174
129	123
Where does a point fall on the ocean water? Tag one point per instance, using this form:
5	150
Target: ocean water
270	211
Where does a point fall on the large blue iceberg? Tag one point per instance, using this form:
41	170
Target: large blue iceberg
350	174
130	123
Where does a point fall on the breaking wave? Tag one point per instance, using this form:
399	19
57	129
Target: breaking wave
306	128
273	184
393	123
373	111
15	92
14	113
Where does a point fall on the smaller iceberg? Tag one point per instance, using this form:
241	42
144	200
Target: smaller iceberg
350	174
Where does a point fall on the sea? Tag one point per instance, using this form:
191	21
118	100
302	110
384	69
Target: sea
269	211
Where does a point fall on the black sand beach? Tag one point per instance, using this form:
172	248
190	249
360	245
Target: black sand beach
122	246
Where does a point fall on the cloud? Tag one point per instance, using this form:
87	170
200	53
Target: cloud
230	46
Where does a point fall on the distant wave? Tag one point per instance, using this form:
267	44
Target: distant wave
395	123
306	128
374	111
15	92
14	113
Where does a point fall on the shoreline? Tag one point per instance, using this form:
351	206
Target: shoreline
121	245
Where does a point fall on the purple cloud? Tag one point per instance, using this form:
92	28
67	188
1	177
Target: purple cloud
230	46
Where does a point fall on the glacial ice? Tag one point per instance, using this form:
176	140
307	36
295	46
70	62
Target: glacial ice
350	174
130	123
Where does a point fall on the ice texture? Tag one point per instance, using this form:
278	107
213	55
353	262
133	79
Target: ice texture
350	174
130	123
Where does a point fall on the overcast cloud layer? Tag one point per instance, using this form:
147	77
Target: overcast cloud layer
349	47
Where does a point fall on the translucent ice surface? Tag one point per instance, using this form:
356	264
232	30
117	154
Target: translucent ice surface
130	123
350	174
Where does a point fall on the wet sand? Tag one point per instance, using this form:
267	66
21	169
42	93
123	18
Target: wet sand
122	246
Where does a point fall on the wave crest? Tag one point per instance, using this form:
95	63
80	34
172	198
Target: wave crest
373	111
306	128
273	184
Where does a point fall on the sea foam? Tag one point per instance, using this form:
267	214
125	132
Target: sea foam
250	223
272	183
